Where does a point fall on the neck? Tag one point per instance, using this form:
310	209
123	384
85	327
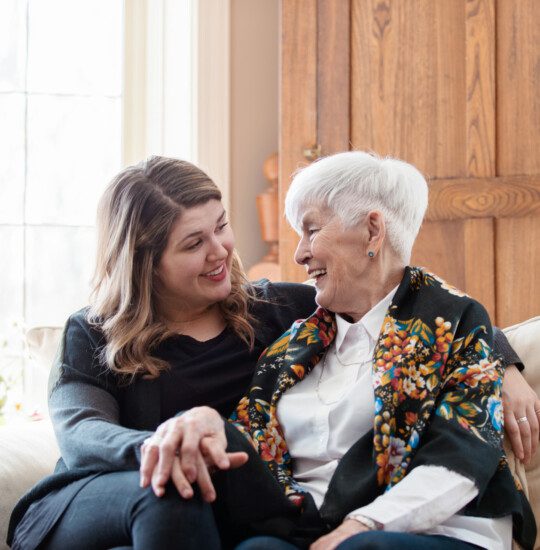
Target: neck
201	324
382	279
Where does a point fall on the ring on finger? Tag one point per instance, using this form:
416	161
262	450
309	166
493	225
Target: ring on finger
522	419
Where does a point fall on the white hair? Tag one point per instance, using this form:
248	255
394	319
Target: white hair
352	184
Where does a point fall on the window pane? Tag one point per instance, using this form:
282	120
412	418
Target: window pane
59	263
74	46
12	158
73	150
12	45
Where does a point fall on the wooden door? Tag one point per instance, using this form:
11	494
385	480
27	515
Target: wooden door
448	85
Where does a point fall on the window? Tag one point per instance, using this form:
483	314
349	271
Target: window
60	142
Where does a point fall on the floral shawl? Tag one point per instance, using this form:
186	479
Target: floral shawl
437	387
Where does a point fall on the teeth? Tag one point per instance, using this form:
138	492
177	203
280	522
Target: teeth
318	272
215	272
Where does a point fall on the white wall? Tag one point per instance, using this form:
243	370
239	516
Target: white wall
254	115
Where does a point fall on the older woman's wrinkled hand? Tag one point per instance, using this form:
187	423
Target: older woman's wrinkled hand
347	529
521	410
185	449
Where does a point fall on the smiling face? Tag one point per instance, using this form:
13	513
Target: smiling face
194	271
336	257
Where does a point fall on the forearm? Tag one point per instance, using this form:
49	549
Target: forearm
86	422
426	497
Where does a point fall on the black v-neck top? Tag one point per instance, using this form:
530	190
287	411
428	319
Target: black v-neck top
218	371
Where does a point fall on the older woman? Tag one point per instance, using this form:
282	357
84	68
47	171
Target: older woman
380	415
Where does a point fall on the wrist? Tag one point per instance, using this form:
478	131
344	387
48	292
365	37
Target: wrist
369	523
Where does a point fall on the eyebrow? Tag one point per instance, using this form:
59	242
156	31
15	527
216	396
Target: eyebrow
197	233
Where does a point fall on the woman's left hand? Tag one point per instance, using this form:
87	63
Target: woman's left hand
521	410
348	528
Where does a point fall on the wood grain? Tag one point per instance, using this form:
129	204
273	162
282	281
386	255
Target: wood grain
408	82
518	146
518	86
480	82
333	75
484	197
460	265
298	110
518	269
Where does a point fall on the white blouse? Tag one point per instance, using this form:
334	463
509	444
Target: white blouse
326	413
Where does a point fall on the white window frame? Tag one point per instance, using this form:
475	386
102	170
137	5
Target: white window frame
164	41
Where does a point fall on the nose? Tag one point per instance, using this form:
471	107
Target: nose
303	252
218	250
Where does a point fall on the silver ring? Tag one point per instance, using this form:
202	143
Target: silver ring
522	419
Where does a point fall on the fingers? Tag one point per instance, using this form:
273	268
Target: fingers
533	425
214	451
190	451
149	459
204	481
524	427
513	433
180	481
167	456
237	459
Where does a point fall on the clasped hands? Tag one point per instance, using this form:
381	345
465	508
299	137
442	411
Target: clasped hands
186	449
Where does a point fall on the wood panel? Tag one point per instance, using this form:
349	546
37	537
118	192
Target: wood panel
333	75
518	148
298	111
408	82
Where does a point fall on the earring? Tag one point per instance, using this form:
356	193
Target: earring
371	254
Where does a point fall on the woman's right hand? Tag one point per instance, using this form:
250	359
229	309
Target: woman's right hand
185	449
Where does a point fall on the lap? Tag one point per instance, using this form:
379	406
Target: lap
112	510
388	540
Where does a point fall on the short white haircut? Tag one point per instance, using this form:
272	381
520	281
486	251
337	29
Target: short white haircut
352	184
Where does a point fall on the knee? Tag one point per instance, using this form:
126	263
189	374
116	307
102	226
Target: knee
173	506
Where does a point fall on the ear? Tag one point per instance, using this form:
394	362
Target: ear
376	230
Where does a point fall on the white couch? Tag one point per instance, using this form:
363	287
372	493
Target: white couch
29	451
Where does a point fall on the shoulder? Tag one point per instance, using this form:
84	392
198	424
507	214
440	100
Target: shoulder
444	301
278	305
283	293
78	327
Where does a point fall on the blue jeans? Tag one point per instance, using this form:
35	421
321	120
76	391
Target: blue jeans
113	511
371	540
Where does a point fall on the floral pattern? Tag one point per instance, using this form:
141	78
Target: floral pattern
423	368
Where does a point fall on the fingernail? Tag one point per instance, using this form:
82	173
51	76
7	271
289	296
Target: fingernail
186	492
159	491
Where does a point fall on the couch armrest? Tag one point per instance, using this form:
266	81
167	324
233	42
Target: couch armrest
28	452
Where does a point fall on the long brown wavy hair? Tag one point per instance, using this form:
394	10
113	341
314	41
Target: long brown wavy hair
135	216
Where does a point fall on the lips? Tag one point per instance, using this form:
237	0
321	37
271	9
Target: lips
217	274
317	273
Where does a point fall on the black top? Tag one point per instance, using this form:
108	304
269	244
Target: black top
217	372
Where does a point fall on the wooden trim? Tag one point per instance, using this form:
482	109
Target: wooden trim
501	197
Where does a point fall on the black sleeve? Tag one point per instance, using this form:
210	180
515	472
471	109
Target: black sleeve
502	347
279	305
83	405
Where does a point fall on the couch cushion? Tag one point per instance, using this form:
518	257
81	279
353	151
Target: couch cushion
525	339
28	452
